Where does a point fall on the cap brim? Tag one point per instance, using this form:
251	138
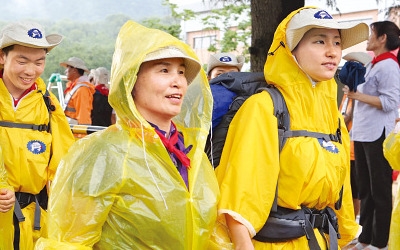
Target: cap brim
351	33
192	66
214	62
51	41
66	64
361	57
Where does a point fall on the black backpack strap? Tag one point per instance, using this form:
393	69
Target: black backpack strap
282	114
39	127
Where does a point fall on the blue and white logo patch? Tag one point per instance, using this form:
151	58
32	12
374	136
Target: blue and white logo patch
322	14
328	146
225	59
35	33
36	147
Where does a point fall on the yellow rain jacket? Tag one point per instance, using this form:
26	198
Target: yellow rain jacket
391	150
5	218
118	188
31	157
307	173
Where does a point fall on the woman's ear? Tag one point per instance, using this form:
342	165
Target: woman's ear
382	38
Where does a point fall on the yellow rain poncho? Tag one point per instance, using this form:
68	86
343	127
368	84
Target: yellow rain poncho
118	188
307	171
31	157
391	150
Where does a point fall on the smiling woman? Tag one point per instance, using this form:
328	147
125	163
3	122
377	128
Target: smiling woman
163	103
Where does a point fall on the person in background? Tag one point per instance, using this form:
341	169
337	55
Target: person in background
308	174
34	132
218	64
91	76
144	183
221	63
375	110
353	73
78	95
102	110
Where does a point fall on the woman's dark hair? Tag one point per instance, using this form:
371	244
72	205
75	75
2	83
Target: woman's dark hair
81	71
392	33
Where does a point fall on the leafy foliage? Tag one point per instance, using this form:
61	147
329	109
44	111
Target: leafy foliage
234	39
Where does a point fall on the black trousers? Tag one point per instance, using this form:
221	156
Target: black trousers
375	191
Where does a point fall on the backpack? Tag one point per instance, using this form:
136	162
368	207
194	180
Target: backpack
102	110
243	85
283	224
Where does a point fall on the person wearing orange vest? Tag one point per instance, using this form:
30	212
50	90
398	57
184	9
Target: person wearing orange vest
79	92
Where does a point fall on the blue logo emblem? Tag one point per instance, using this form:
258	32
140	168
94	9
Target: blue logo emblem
328	146
35	33
322	14
36	147
225	59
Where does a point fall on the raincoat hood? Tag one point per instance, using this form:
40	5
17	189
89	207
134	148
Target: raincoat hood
133	44
282	70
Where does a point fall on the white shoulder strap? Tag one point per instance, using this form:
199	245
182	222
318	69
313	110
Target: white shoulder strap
69	95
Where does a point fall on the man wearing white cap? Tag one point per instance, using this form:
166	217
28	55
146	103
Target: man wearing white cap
78	93
34	132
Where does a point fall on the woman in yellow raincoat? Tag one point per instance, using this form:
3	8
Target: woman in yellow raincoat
309	171
120	188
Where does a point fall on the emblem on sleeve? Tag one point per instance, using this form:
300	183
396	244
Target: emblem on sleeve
36	147
328	146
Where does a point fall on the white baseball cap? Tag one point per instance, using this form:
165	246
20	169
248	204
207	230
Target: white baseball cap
29	34
362	57
225	59
76	63
101	75
192	65
351	33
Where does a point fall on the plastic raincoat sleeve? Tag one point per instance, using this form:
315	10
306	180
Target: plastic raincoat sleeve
62	137
77	222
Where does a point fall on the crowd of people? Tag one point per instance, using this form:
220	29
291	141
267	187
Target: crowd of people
145	181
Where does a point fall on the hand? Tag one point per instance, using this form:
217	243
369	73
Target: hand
346	89
7	199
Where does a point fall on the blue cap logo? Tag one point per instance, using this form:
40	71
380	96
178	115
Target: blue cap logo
225	59
36	147
322	14
35	33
